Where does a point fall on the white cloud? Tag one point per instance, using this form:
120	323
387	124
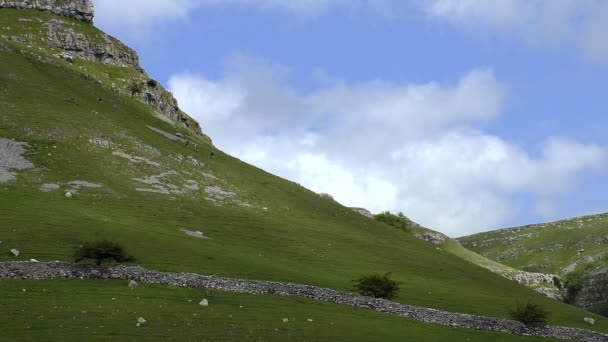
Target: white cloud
134	13
582	24
380	145
140	15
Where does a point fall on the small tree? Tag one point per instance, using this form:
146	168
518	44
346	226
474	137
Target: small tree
530	314
398	221
135	88
377	286
99	251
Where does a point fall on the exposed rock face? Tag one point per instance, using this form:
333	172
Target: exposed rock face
100	48
79	9
328	196
530	278
594	289
48	270
433	238
363	212
108	51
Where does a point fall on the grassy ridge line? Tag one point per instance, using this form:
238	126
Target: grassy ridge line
77	310
300	238
557	247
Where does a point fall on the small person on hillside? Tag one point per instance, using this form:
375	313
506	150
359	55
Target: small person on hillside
187	142
212	154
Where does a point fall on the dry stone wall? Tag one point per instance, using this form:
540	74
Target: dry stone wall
35	270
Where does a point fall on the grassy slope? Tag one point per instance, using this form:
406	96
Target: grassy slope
300	238
548	248
81	310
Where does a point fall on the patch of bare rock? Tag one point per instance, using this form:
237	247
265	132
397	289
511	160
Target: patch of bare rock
11	159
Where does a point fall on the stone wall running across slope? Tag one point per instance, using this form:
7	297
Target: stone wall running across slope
79	9
50	270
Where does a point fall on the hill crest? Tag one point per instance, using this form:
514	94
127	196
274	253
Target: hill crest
82	10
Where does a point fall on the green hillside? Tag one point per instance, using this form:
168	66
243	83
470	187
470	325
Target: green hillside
576	249
558	247
133	182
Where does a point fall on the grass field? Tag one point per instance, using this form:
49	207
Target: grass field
90	310
269	228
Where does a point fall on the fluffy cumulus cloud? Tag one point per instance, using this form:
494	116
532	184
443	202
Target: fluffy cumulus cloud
415	148
582	24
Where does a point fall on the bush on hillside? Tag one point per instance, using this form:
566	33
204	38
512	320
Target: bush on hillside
100	251
574	285
377	286
557	282
135	88
152	83
530	314
399	221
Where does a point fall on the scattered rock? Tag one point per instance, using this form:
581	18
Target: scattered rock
68	195
48	270
15	252
49	187
133	284
67	57
204	302
589	320
34	260
433	238
217	193
197	234
141	320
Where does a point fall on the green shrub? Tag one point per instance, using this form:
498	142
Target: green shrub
557	282
100	251
377	286
530	314
574	285
399	221
152	83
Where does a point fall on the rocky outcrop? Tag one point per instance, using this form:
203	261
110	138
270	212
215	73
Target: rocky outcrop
49	270
363	212
433	238
96	46
106	50
78	9
531	278
594	289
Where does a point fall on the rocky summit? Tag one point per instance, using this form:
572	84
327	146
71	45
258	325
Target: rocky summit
78	9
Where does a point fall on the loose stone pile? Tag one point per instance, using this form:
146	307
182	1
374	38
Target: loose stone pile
48	270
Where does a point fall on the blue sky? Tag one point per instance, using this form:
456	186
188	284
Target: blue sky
467	115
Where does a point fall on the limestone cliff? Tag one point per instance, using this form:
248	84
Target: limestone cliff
79	9
76	42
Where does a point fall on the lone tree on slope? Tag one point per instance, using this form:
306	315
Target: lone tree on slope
135	88
99	251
